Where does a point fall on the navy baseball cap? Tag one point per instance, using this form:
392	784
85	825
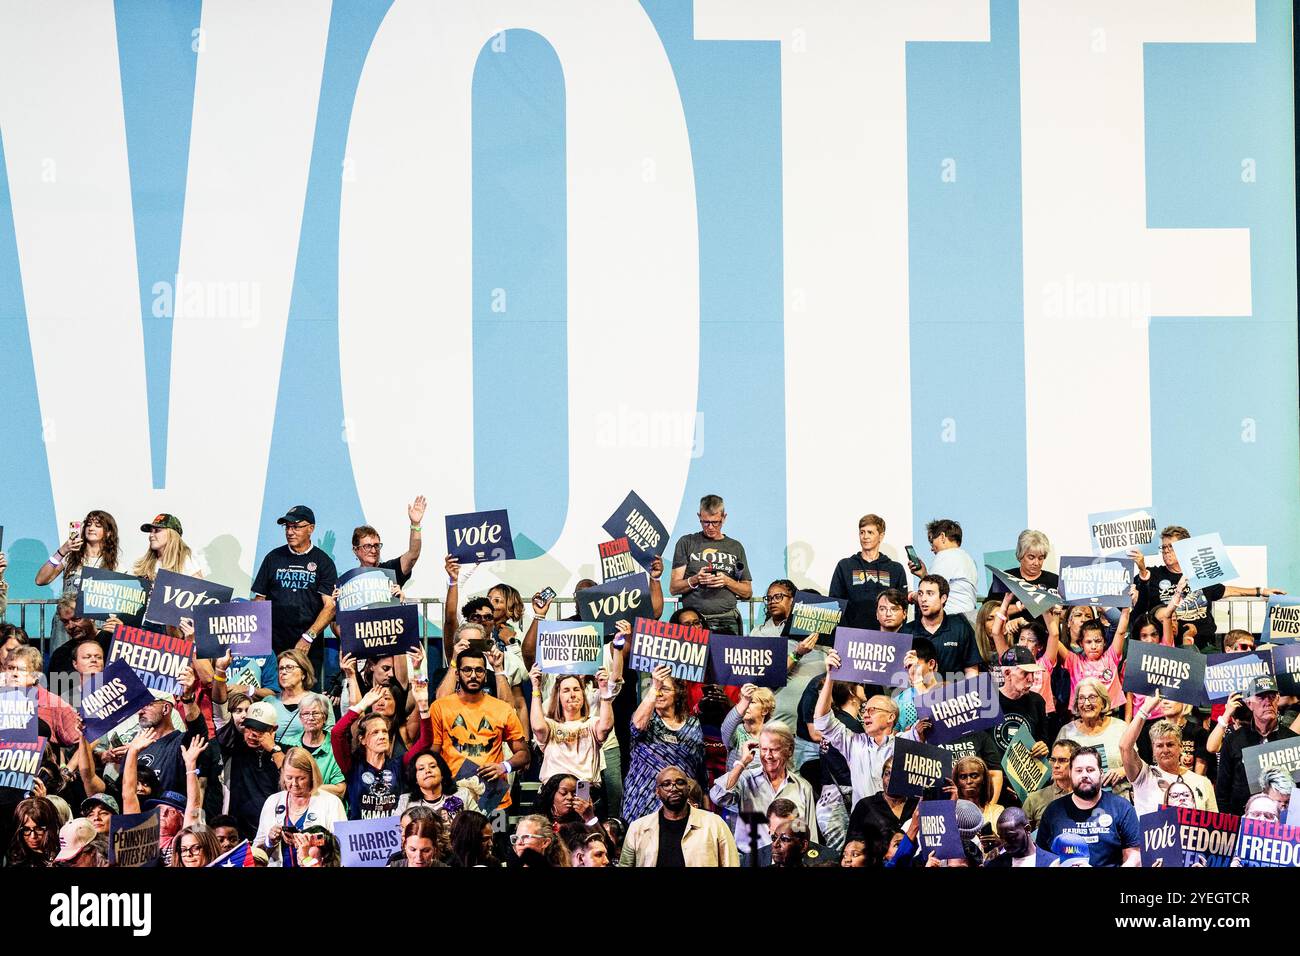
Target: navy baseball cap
298	513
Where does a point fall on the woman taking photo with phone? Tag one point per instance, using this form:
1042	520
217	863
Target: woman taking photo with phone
91	544
299	805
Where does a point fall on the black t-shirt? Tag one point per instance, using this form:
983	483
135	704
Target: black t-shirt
873	813
978	744
1028	710
727	556
164	758
670	841
296	585
1194	609
253	777
395	565
954	643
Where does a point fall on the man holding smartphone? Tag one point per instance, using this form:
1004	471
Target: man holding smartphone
710	570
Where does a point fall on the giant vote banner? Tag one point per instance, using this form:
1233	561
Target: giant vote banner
522	231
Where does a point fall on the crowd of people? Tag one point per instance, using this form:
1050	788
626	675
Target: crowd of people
474	756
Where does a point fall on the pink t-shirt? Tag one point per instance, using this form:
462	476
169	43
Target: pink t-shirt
1104	669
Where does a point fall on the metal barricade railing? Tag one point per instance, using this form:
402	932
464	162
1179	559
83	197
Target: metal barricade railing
37	616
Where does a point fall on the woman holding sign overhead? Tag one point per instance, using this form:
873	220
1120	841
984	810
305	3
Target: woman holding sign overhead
570	735
167	550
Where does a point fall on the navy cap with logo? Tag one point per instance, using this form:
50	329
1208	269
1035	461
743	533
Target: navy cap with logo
1264	684
1019	657
298	513
163	521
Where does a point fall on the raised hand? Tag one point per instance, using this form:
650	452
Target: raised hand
348	664
191	751
656	568
452	564
415	510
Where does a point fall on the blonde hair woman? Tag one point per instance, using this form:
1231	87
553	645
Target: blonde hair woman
167	550
743	722
299	804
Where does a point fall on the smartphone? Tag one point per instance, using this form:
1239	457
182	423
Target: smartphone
478	646
74	529
546	594
913	558
584	790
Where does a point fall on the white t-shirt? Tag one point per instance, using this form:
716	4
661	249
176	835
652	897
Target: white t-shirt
1150	786
1031	860
957	567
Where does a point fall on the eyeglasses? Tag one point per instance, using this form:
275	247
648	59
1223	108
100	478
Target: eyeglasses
31	831
773	598
484	616
672	784
785	838
877	710
710	523
519	838
1087	698
191	851
472	670
288	667
370	547
1244	647
297	525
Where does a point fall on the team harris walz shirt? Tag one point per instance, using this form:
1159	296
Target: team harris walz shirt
296	585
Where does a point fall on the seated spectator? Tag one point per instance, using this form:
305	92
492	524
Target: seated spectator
882	812
420	844
195	846
429	783
35	841
975	785
1018	849
589	849
534	834
472	843
1058	783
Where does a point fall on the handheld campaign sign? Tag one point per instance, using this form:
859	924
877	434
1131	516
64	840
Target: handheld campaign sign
1228	674
110	697
175	596
379	631
871	657
1161	842
366	587
660	643
569	647
18	715
959	707
1177	672
1281	619
614	601
133	838
241	628
939	833
157	659
1204	561
646	535
480	536
19	761
1096	582
748	660
1282	755
1265	843
494	791
106	593
917	767
1115	532
1035	598
1286	667
616	559
368	842
1208	839
1025	773
816	614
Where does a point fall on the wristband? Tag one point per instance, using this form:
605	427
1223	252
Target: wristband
694	586
416	527
505	766
56	559
451	582
1223	721
308	636
218	676
1000	616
